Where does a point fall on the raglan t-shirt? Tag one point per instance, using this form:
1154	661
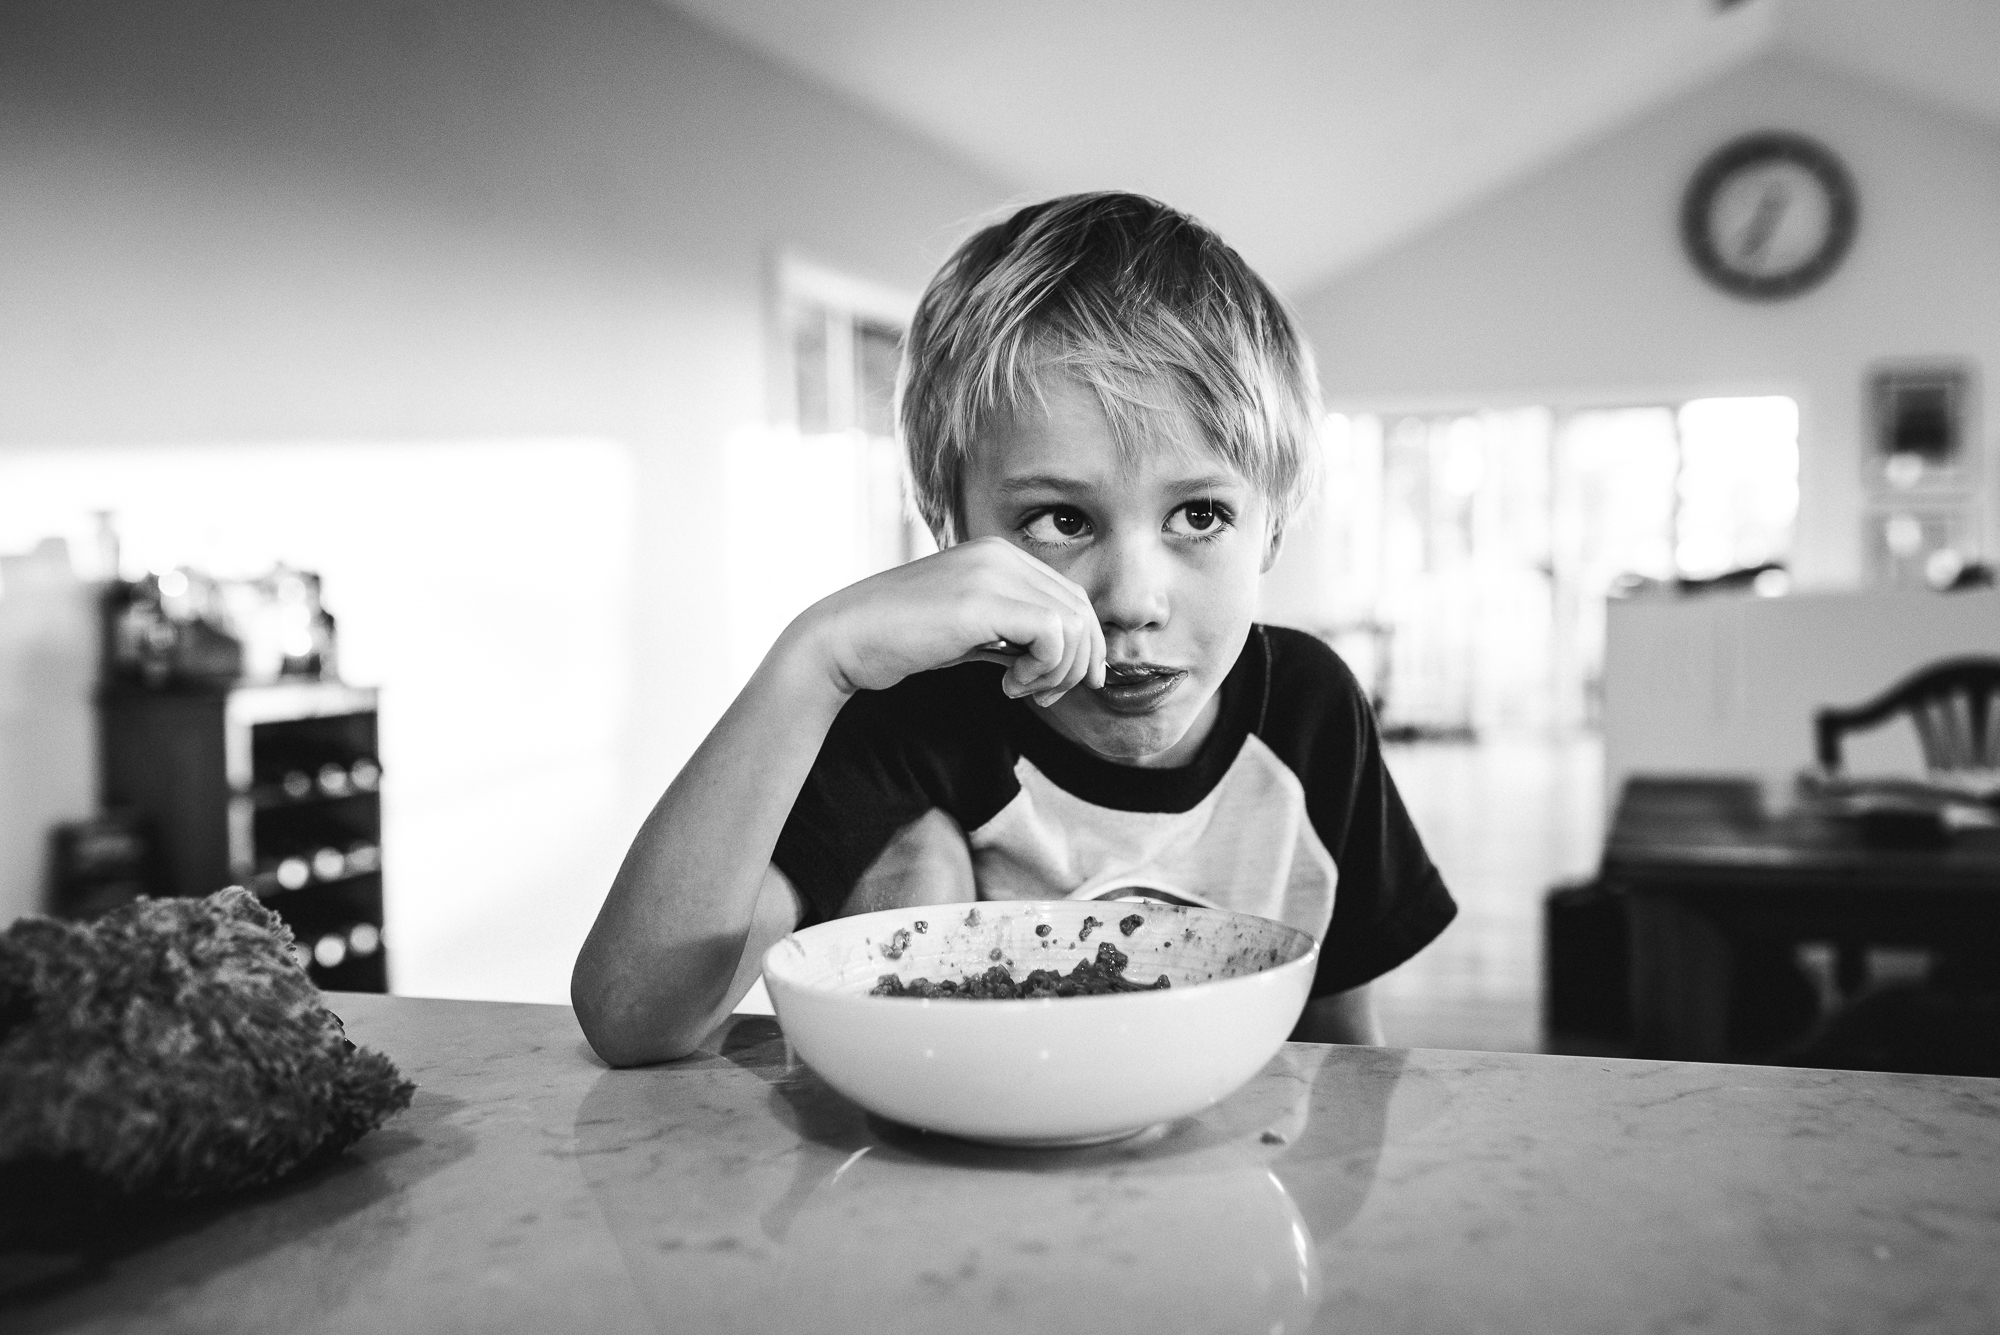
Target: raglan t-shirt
1286	811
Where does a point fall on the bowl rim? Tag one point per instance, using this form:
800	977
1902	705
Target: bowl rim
1307	960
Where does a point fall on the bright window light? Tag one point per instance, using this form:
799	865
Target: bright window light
1739	483
1475	550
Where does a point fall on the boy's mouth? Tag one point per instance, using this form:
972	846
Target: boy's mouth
1137	688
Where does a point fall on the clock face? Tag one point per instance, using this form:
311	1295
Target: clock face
1769	215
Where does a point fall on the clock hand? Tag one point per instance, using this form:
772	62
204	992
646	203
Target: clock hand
1763	224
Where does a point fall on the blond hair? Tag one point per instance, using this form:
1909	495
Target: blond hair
1135	300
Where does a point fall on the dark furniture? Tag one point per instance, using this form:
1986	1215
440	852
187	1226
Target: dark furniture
274	787
1586	971
1953	705
1708	874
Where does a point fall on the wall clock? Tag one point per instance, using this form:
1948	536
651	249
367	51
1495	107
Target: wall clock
1769	215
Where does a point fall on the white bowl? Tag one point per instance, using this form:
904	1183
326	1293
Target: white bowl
1052	1070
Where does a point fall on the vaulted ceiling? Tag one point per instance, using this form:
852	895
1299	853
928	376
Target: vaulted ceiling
1315	133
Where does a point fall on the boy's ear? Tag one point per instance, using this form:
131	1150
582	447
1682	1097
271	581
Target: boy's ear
1272	549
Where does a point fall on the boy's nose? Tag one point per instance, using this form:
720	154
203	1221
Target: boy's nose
1130	586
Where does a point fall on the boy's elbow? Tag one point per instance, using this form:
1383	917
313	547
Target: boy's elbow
624	1031
618	1050
622	1043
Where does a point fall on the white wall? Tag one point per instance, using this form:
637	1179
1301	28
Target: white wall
1571	286
459	221
48	758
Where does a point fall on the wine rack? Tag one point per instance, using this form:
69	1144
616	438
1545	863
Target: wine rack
273	787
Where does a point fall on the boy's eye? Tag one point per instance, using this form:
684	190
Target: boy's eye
1056	528
1200	519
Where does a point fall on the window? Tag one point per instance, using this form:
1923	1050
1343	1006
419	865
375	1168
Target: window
1475	550
817	493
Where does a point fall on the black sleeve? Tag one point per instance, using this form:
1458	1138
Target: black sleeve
931	741
861	790
1390	901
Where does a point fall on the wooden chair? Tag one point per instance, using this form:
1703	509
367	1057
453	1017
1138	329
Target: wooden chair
1955	705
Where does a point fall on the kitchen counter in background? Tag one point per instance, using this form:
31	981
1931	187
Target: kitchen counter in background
1345	1189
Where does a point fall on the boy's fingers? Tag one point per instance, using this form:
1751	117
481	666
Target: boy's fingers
1039	630
1079	630
1084	651
1082	661
1070	592
1091	638
1056	660
1047	580
1076	664
1063	586
1062	646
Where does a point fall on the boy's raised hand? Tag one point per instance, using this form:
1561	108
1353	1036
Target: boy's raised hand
951	608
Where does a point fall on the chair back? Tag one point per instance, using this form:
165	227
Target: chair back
1955	705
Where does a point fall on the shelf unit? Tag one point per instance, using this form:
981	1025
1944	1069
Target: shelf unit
275	787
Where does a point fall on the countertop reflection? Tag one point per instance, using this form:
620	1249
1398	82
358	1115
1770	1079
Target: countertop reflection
837	1220
529	1188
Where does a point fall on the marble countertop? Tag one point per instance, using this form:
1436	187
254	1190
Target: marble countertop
529	1188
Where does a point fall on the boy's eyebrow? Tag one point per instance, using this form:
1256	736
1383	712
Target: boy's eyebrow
1015	486
1032	482
1207	482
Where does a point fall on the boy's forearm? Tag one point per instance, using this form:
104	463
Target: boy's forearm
660	957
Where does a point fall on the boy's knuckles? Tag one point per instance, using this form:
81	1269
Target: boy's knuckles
1054	635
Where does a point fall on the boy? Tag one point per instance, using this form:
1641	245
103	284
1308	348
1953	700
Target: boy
1108	419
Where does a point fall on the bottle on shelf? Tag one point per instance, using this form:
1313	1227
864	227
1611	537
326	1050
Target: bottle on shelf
341	945
363	856
279	774
297	767
330	950
308	777
276	875
329	863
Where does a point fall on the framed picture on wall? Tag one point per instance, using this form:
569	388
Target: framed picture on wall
1921	420
1922	543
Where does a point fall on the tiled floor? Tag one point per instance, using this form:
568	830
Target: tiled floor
1504	819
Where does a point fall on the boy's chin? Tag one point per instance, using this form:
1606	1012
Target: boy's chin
1142	739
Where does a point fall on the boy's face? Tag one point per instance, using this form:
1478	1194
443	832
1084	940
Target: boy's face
1169	546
